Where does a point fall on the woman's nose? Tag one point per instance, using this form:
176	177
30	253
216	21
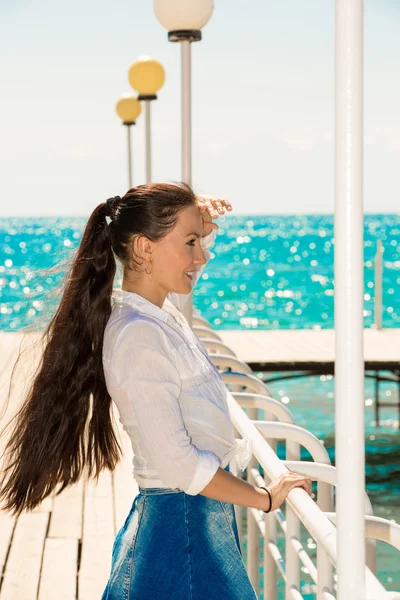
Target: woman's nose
200	258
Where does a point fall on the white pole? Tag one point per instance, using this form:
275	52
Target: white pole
349	301
128	127
147	105
187	136
186	112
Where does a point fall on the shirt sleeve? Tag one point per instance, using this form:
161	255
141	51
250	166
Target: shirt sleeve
143	367
179	300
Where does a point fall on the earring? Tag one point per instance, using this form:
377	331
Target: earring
151	267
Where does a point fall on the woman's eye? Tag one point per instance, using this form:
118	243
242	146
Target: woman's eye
190	243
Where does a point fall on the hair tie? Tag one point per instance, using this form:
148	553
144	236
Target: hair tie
110	205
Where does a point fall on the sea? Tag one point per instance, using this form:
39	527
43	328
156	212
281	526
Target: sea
265	272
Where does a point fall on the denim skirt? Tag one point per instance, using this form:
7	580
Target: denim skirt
174	546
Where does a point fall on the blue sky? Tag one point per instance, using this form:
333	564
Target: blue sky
263	112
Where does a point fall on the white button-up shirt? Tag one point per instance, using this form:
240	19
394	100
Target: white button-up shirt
171	398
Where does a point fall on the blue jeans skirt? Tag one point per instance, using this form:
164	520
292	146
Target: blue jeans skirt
174	546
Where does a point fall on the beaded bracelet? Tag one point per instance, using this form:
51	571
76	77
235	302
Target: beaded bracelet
270	499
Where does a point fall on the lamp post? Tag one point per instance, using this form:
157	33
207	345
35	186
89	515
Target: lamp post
128	109
147	76
184	21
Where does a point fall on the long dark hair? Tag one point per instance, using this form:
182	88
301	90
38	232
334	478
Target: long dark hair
65	423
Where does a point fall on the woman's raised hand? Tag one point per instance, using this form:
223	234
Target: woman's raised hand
211	208
279	488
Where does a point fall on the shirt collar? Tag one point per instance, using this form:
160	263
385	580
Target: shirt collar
175	312
141	304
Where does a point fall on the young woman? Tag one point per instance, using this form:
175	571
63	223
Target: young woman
180	539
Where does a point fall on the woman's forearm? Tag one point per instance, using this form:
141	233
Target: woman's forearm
228	488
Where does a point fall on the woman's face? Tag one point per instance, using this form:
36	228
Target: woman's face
179	253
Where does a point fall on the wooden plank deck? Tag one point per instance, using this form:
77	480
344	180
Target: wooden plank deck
62	549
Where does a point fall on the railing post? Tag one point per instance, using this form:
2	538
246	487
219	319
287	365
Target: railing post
238	509
253	545
270	568
324	565
292	531
270	574
378	286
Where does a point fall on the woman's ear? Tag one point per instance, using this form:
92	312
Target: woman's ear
142	247
147	249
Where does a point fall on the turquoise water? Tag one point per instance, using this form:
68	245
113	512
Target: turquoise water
266	272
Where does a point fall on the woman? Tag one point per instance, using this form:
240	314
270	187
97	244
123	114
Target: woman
180	538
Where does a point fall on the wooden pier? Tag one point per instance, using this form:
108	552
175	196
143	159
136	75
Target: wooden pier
299	349
308	352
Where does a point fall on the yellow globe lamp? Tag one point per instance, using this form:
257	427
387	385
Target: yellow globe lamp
146	76
128	109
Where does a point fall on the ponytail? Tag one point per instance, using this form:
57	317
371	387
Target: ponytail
65	423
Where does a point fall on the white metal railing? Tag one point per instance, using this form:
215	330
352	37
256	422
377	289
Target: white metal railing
202	331
320	528
379	529
215	346
265	403
322	472
246	395
198	320
225	360
241	380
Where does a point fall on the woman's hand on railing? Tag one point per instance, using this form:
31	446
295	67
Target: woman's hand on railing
279	488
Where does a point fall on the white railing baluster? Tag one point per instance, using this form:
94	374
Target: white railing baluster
238	509
253	545
292	557
305	559
270	574
294	594
327	594
292	532
324	566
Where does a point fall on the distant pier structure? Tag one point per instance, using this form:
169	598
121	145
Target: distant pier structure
308	352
